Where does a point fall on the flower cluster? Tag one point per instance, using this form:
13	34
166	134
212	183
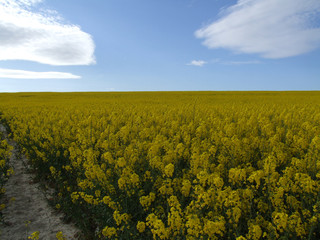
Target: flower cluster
5	170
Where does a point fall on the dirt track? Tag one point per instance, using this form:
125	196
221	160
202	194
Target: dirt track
31	205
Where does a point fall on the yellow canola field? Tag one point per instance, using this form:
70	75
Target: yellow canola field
5	170
176	165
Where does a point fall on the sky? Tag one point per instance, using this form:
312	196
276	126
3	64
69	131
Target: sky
152	45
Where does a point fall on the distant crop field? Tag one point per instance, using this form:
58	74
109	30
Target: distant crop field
176	165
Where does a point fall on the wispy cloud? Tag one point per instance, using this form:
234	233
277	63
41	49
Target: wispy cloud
270	28
240	62
198	63
41	36
21	74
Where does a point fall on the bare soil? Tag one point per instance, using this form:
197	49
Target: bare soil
27	209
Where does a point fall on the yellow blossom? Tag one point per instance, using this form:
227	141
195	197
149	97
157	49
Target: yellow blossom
109	232
169	169
141	226
34	235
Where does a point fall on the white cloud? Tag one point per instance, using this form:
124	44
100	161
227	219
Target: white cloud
21	74
240	62
270	28
41	36
198	63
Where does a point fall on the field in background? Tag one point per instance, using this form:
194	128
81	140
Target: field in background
176	165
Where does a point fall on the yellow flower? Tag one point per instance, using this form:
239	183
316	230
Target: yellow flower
121	162
169	169
237	175
34	235
215	227
2	206
194	226
280	219
121	183
2	163
157	226
74	196
241	238
186	186
53	170
97	193
10	172
146	201
119	218
255	232
134	178
60	236
109	232
141	226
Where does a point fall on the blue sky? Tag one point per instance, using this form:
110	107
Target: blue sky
151	45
